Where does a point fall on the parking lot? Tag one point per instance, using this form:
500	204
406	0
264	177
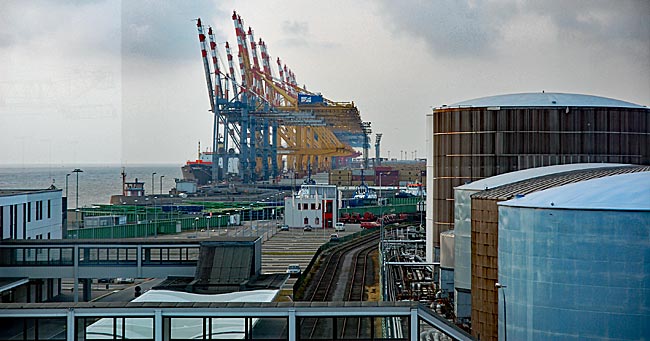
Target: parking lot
296	246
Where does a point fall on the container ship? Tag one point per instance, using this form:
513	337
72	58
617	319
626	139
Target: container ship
199	170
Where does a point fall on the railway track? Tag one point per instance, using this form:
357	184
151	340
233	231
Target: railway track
357	328
356	254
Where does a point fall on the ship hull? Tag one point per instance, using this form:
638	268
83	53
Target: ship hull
201	173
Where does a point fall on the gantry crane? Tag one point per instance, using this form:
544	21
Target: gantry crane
266	121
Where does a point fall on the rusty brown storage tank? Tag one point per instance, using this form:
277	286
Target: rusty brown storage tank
483	137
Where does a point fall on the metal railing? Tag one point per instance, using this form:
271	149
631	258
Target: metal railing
75	321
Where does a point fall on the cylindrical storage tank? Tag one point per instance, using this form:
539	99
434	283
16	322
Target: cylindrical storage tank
574	261
488	136
446	278
464	218
484	226
447	250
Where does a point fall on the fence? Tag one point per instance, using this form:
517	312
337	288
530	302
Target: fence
393	206
150	228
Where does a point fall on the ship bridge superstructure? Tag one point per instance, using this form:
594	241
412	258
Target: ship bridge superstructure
263	117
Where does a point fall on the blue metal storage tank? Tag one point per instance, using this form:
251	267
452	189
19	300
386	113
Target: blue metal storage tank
463	226
575	261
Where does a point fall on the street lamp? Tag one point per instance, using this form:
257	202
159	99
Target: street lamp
155	218
251	216
66	186
218	225
208	218
161	177
381	214
76	210
196	223
227	222
77	170
152	189
503	292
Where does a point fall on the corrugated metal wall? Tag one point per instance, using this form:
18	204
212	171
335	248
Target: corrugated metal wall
473	143
485	237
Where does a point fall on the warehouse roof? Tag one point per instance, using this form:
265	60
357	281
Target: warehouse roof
507	178
629	191
548	99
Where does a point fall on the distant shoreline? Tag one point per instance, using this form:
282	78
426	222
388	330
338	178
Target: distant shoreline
90	165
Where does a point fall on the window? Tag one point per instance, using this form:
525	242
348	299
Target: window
24	220
313	206
49	210
29	211
317	221
299	207
13	221
305	206
39	210
306	221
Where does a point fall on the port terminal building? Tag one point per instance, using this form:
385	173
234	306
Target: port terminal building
314	205
30	214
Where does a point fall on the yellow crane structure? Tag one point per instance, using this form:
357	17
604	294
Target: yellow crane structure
271	123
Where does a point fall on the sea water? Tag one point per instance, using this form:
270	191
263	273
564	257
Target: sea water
96	183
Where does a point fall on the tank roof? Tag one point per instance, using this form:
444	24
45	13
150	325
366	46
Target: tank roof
524	174
545	99
628	192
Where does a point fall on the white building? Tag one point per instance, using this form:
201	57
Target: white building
314	205
31	213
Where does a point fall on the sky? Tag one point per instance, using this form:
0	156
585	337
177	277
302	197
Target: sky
122	82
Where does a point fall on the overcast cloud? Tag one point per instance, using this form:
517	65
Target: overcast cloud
112	81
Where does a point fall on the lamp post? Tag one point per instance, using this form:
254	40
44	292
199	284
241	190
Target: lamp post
152	189
208	228
161	177
218	225
155	218
196	223
381	215
240	220
77	170
505	323
66	186
227	222
251	217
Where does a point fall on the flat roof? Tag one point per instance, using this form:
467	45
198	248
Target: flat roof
524	174
544	99
20	191
625	192
129	241
178	296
